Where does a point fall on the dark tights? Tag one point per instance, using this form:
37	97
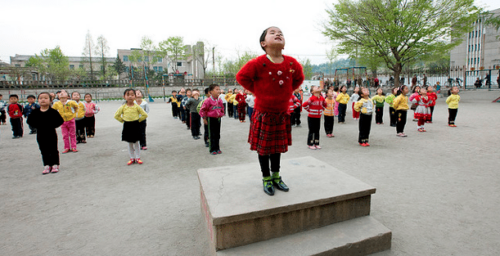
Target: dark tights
264	164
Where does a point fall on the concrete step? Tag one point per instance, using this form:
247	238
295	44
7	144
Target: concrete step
357	237
238	212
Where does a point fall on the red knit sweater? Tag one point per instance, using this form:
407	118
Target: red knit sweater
271	83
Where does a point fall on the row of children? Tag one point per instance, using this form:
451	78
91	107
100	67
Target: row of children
192	108
423	99
76	119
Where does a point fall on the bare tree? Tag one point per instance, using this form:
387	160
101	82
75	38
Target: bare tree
101	50
87	52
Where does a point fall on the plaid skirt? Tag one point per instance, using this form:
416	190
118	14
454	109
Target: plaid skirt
270	133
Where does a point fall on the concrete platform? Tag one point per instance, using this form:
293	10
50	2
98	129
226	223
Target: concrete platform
360	236
238	212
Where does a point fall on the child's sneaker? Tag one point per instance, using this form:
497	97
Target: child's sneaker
318	147
139	161
65	151
46	170
213	153
312	147
144	148
55	169
367	145
219	152
74	150
131	161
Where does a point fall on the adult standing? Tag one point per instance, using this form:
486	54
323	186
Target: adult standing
414	81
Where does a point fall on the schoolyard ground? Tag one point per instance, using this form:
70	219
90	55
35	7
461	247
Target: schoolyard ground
437	191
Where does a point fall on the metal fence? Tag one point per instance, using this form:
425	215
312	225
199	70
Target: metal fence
188	83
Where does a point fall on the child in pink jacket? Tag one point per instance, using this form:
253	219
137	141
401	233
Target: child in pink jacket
211	111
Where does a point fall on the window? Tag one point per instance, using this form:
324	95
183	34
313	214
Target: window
139	59
469	48
125	57
179	64
475	47
17	65
155	69
71	66
146	59
159	60
127	69
160	69
81	66
479	47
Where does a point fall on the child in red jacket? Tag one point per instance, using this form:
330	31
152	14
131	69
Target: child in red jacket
432	97
272	78
315	106
242	105
15	111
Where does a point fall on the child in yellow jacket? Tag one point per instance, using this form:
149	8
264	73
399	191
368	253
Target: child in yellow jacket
400	104
68	110
452	102
342	99
79	122
131	114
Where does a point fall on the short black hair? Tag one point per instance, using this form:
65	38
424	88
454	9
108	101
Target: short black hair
174	91
128	90
212	87
50	97
30	96
14	96
206	90
88	95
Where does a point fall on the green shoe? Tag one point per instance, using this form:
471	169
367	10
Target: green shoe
278	183
268	186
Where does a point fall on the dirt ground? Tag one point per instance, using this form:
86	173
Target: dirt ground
437	191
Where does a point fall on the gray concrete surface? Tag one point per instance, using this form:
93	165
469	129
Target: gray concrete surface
436	191
235	219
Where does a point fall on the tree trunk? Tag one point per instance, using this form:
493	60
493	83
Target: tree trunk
397	71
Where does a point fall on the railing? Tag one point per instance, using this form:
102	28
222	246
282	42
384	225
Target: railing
188	83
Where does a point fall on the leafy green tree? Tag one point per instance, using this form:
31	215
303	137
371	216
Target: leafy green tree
399	30
307	68
51	62
331	55
118	66
173	47
233	66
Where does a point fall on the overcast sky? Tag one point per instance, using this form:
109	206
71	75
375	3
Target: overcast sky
27	27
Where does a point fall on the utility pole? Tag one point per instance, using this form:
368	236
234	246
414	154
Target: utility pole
213	60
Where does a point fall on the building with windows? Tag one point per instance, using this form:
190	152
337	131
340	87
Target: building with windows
480	49
191	64
74	63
